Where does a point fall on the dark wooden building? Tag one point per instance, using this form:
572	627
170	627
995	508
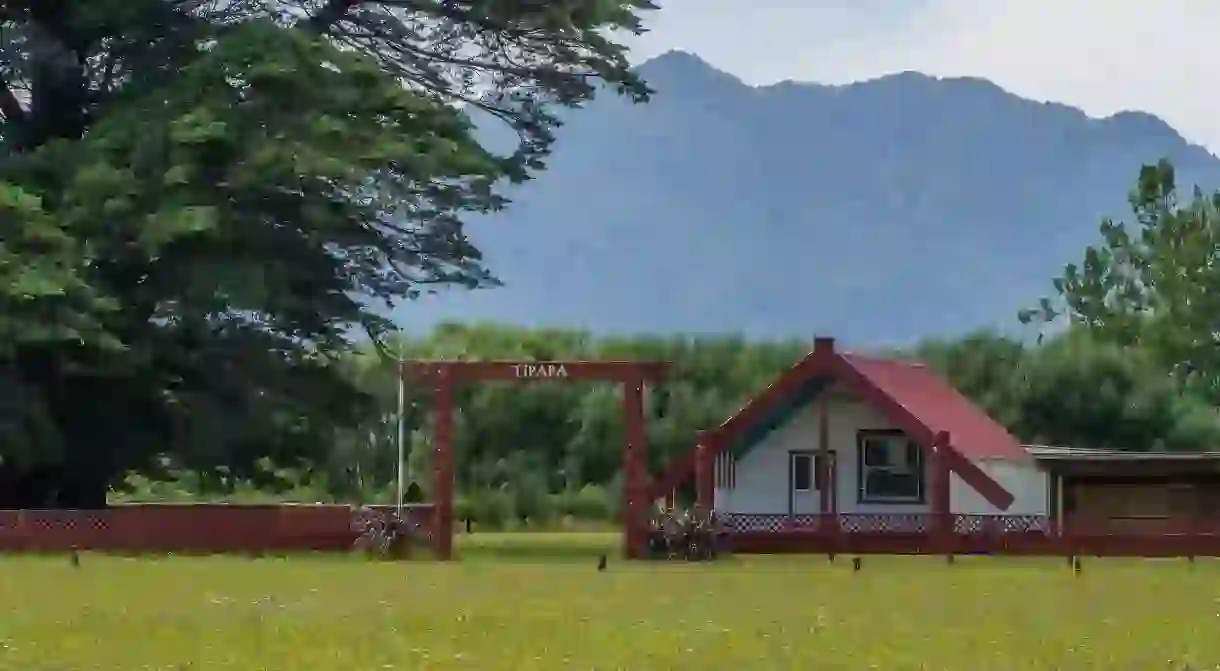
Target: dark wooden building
1132	492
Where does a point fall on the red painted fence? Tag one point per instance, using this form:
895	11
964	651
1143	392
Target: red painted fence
256	529
187	528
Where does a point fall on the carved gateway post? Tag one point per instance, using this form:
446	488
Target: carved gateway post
443	377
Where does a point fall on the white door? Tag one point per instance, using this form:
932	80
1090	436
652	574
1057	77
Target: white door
803	497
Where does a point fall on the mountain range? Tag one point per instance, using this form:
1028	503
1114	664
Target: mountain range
880	212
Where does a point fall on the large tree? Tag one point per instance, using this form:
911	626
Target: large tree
1153	282
202	199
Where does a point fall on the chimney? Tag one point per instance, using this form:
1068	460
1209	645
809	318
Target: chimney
826	345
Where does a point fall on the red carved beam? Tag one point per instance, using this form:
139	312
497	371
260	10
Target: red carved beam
470	371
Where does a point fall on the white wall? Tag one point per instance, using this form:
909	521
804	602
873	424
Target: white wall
761	475
1029	485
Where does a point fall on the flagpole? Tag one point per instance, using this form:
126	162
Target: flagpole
402	442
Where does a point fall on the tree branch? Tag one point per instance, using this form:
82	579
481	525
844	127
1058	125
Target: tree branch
10	107
333	12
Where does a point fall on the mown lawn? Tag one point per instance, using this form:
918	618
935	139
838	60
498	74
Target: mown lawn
520	602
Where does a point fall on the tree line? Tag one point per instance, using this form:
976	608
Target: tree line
540	450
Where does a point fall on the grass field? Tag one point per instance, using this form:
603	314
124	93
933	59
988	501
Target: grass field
519	602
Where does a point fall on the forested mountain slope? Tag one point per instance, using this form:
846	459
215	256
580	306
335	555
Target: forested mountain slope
881	212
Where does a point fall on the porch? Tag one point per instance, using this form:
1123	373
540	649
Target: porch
882	523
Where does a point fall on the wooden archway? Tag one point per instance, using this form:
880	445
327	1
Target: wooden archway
443	377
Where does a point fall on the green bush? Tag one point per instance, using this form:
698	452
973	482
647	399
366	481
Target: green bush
491	509
591	502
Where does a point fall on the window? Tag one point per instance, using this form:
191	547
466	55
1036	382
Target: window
891	468
802	472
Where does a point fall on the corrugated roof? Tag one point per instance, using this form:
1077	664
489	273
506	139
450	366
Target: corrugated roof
1059	452
940	407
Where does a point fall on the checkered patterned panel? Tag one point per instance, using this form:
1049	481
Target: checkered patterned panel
66	520
1001	524
884	523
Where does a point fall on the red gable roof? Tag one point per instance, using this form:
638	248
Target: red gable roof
940	407
914	398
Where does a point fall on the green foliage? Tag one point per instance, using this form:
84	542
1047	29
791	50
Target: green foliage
559	437
1075	390
1087	394
202	201
591	502
44	302
191	488
44	297
1153	282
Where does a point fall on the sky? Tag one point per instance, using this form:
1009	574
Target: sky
1102	56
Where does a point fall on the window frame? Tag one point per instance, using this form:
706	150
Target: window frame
864	438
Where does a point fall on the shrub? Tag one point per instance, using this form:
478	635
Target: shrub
684	534
591	502
385	535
